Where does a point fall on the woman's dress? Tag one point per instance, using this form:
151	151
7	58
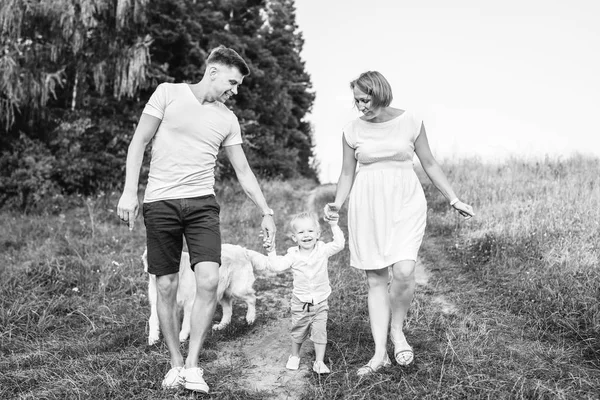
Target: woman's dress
387	207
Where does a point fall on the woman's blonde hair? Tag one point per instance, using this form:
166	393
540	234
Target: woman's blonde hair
375	85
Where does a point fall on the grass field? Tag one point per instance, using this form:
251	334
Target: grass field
511	309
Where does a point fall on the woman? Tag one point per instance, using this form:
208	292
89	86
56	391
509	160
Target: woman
387	208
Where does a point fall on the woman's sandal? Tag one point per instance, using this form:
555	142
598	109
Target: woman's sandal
403	353
370	368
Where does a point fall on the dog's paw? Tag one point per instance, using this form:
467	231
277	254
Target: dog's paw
183	336
219	326
250	319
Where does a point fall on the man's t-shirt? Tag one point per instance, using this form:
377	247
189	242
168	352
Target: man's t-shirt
186	144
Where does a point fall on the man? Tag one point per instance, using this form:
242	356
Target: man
188	124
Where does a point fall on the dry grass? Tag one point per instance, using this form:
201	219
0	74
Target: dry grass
510	311
537	238
73	306
522	282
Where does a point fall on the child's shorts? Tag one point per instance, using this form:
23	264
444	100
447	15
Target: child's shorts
308	319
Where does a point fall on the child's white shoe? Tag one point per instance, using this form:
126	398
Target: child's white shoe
320	368
293	362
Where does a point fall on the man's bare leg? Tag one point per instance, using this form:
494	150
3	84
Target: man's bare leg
205	303
168	317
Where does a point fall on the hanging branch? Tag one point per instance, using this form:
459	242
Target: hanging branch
42	41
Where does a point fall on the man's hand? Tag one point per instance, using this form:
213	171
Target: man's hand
268	232
128	208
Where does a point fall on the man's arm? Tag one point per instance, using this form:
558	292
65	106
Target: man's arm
128	206
250	185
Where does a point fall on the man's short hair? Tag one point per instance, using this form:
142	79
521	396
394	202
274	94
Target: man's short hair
375	85
228	57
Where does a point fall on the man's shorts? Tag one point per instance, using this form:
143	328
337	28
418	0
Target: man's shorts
309	319
168	221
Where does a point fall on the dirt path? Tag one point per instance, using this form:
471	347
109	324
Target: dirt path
264	352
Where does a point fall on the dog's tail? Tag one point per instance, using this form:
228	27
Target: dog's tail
260	262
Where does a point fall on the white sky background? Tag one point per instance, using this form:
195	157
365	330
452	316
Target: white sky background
490	78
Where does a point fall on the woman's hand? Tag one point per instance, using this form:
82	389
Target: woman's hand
331	212
464	209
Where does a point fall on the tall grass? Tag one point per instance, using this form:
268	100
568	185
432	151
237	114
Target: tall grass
522	280
73	303
519	283
536	239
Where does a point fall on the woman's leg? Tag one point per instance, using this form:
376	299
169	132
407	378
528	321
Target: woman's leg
402	290
379	311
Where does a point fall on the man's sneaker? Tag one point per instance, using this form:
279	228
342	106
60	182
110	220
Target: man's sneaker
173	378
320	368
194	380
293	362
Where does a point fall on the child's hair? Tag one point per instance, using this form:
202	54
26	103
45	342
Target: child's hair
304	215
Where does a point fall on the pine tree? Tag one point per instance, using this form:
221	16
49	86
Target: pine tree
278	95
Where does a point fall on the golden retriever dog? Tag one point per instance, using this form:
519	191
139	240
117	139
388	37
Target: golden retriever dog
236	278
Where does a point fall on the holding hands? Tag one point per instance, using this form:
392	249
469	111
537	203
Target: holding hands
268	230
331	213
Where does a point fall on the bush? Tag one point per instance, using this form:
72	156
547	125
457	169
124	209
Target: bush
81	157
26	174
90	155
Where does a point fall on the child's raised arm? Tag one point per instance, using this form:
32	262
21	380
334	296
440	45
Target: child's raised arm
337	244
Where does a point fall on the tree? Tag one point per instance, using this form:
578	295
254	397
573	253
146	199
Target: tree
57	57
69	45
273	101
273	108
76	74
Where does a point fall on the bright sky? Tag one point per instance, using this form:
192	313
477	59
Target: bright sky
489	78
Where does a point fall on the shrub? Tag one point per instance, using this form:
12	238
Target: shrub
26	174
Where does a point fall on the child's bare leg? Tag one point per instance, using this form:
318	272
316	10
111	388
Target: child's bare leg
320	351
296	349
319	331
